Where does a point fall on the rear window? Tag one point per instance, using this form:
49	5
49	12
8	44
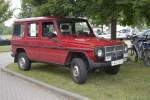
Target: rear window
18	30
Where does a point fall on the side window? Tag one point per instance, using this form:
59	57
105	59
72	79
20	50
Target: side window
66	28
33	30
18	30
47	28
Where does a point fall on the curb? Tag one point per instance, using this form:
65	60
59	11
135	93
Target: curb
67	94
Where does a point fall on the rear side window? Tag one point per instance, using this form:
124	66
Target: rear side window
18	30
33	30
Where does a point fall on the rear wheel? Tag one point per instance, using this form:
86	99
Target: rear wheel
147	57
79	70
112	70
23	61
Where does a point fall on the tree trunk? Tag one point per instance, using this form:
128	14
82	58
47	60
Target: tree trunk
113	28
102	28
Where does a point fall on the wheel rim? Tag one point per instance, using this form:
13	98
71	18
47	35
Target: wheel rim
75	71
22	62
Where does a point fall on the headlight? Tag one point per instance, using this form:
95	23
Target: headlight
99	53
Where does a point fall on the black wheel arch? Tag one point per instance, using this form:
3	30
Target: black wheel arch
76	54
18	50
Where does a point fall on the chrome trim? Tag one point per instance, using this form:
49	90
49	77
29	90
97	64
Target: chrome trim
114	50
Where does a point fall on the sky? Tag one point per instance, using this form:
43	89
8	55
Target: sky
14	4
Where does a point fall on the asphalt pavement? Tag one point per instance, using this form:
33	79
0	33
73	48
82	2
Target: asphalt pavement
13	88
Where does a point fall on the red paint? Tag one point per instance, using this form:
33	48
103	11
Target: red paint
55	50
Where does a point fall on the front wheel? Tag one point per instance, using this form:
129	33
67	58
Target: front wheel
79	70
146	57
112	70
23	61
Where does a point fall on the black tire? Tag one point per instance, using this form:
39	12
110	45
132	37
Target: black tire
146	57
78	70
112	70
23	61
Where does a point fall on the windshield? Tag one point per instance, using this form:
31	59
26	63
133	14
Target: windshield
75	28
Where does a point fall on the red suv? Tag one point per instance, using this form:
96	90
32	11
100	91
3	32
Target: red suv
65	41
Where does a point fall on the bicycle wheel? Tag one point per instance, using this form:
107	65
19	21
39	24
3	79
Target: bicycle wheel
146	57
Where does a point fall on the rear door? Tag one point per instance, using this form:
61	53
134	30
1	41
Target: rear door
18	38
32	40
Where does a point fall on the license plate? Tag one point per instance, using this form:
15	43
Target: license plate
117	62
108	58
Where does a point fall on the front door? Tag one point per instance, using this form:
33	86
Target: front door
50	44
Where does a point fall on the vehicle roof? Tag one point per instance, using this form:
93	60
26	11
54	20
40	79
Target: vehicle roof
143	31
147	30
44	18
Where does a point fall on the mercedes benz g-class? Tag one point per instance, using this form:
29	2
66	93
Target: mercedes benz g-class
65	41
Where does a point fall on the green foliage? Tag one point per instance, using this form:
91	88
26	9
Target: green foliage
136	13
126	12
5	13
55	7
4	30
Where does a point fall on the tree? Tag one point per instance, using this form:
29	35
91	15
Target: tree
56	7
5	13
4	30
125	12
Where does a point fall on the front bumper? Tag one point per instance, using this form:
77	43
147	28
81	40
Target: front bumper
94	65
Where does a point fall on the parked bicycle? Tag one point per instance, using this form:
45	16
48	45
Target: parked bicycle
146	53
141	47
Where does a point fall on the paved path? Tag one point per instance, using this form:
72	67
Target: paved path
13	88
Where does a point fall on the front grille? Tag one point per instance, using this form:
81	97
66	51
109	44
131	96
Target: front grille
116	52
109	49
119	47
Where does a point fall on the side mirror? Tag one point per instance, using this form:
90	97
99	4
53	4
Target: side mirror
51	35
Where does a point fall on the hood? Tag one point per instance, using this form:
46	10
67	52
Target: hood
91	41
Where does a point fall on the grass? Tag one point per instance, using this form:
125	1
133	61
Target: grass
131	83
4	48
